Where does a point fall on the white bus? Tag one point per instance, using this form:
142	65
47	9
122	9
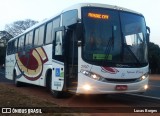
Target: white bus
88	48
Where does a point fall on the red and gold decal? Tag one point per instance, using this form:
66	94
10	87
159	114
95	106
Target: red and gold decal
109	70
31	64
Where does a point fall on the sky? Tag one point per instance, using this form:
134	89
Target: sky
38	10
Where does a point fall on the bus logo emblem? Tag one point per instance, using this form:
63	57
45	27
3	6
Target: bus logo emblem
31	64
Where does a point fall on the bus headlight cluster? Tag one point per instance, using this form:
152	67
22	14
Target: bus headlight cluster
91	75
144	76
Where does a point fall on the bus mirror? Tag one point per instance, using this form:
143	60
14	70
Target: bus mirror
148	29
147	38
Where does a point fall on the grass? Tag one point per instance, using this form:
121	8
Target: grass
12	98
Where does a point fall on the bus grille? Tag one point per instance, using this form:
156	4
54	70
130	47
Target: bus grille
121	80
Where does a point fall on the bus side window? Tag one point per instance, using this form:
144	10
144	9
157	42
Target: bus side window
15	45
29	40
50	30
49	33
56	23
11	47
39	36
58	43
21	43
8	48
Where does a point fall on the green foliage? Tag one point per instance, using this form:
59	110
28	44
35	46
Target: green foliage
154	57
12	30
2	55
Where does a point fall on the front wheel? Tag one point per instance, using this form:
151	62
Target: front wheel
57	94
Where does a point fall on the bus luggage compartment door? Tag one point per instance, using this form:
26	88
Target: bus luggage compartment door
58	77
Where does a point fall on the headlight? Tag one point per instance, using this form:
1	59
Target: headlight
91	75
146	87
87	87
143	77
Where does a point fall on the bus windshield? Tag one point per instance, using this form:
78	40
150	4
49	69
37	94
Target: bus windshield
114	38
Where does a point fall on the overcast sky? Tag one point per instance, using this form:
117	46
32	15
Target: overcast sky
14	10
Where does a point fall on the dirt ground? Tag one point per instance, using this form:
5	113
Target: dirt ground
37	96
154	77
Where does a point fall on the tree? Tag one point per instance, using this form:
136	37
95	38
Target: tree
4	37
154	57
12	30
19	27
2	55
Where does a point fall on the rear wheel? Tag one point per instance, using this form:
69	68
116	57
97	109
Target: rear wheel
16	82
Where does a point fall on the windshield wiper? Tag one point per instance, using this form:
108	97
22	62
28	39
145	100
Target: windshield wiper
132	54
130	51
110	44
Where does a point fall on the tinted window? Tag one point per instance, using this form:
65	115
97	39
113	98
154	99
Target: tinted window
50	30
58	46
29	40
15	45
113	37
21	43
49	33
134	31
39	36
12	47
9	48
70	17
56	23
102	35
36	37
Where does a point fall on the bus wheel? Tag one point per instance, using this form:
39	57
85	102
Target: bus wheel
57	94
17	83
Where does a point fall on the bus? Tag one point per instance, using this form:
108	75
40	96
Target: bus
88	48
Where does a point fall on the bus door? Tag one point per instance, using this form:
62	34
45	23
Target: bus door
65	59
71	59
69	21
58	72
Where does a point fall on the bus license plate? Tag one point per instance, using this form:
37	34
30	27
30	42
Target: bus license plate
121	87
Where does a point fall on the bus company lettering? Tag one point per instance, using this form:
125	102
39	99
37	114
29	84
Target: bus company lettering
31	64
135	72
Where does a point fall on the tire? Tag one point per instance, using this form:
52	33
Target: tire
17	83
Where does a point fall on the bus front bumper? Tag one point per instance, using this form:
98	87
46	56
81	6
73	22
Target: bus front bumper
87	85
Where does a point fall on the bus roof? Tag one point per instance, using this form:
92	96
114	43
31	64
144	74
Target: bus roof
78	6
